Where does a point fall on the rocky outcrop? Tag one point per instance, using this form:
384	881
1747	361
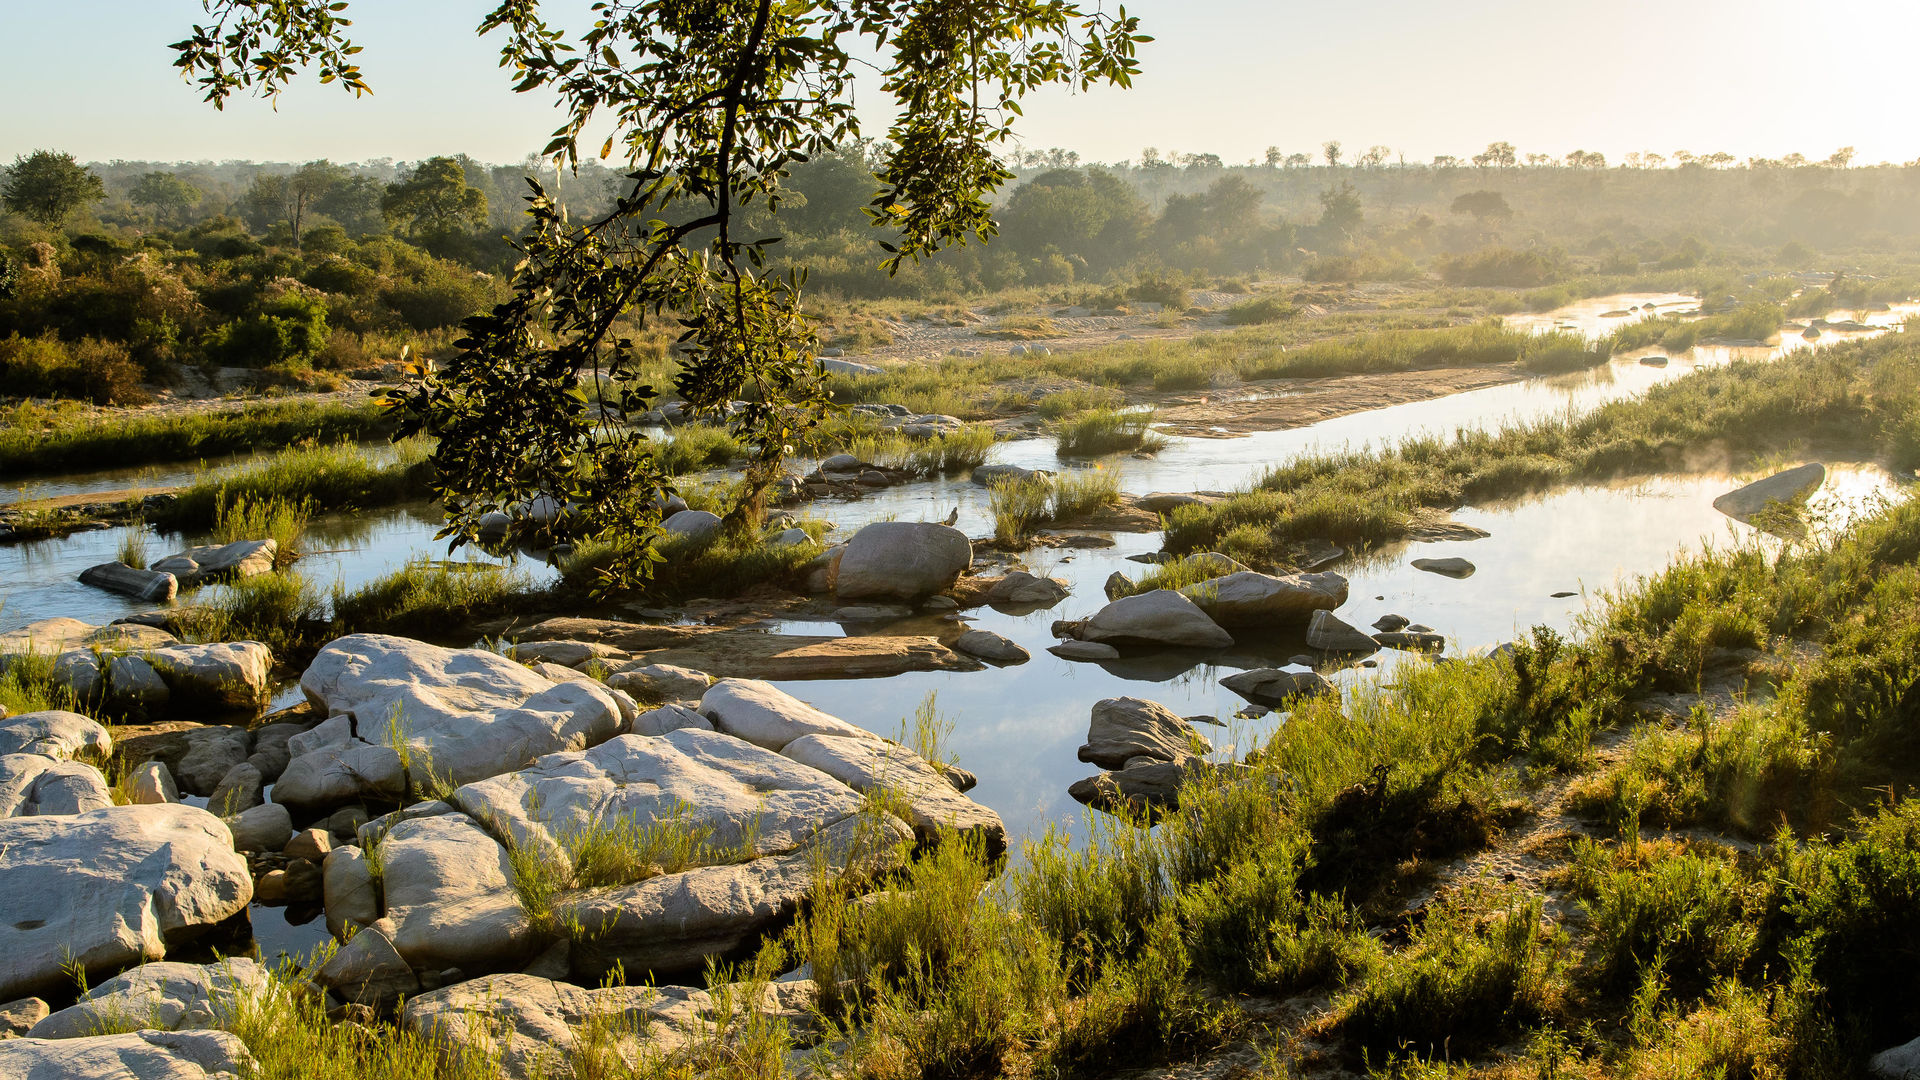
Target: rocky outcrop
110	888
1248	599
463	714
149	1055
1126	728
1160	617
903	560
162	996
754	654
31	785
656	683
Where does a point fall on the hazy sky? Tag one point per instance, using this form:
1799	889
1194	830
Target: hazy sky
1757	77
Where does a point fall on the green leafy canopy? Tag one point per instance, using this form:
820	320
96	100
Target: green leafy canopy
709	103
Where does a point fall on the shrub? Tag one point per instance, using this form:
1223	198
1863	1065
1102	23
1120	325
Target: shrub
1107	431
1263	309
102	372
1499	266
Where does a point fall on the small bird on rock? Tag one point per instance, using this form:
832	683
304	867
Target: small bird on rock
953	517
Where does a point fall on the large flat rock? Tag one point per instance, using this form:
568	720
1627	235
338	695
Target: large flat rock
163	996
110	888
767	716
932	803
51	637
54	733
750	654
462	714
740	798
147	1055
1160	617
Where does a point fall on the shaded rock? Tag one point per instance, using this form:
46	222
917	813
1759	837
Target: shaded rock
211	754
348	891
148	1055
1160	617
1126	728
18	1016
220	562
1789	488
1084	650
769	717
1245	598
872	765
1271	686
53	733
1390	623
1450	567
901	559
1163	502
991	646
1329	634
871	613
309	844
1412	640
1117	585
228	674
79	670
110	888
147	585
132	685
466	714
238	792
368	969
150	782
1900	1063
31	786
266	827
163	996
1150	787
270	753
962	780
1021	588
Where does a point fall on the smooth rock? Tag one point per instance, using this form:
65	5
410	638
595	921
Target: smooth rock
449	894
212	753
225	674
110	888
1412	640
570	654
54	733
368	970
867	765
1084	650
1899	1063
146	1055
1276	688
1328	633
1160	617
51	637
1390	623
33	786
669	718
1020	588
1449	567
693	525
464	714
220	562
238	792
1248	599
1117	585
162	996
150	586
768	717
266	827
988	645
1789	488
347	889
902	560
871	613
270	753
80	671
988	475
16	1017
309	844
134	686
1125	728
150	782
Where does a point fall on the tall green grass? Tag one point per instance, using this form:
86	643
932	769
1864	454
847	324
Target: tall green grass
429	598
1107	431
332	477
54	438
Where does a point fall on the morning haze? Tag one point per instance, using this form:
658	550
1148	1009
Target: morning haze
940	541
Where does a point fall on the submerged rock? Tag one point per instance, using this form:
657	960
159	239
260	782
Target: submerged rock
154	587
1020	588
220	562
1789	489
110	888
1448	567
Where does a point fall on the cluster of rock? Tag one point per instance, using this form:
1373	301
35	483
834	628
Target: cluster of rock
1148	754
162	581
142	670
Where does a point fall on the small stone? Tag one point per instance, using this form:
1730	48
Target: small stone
309	844
17	1016
1084	650
1449	567
150	782
1390	623
1329	633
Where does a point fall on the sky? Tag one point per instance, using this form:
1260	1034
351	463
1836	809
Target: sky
1230	77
